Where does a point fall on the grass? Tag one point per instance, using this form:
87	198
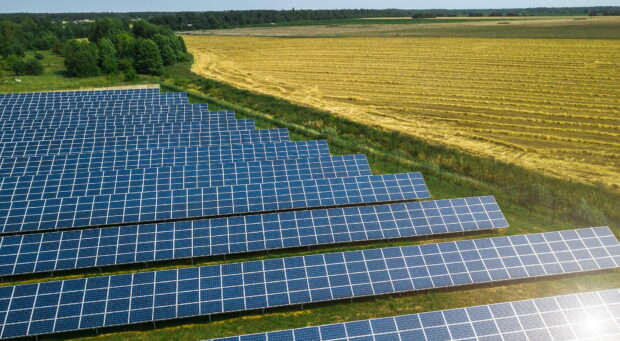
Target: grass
348	137
54	78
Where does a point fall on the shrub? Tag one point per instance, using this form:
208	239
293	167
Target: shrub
39	56
81	58
108	61
28	66
147	58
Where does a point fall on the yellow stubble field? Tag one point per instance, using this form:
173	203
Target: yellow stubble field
547	104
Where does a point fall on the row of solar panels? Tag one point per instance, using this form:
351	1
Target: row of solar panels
107	178
583	316
94	302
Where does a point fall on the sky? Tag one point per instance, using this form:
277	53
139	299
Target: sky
49	6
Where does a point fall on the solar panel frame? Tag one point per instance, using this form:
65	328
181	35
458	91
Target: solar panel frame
581	316
50	186
117	143
168	294
67	250
160	206
154	158
101	131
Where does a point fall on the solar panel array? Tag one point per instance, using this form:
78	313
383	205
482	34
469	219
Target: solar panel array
105	178
167	294
209	237
583	316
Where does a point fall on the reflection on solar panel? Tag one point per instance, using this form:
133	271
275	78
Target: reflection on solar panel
93	145
103	210
154	158
99	131
118	122
198	238
50	307
584	316
65	185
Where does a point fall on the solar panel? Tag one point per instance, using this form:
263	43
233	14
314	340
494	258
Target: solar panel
92	145
116	122
110	105
116	111
584	316
90	98
123	181
107	210
100	131
75	249
154	158
77	93
156	99
51	307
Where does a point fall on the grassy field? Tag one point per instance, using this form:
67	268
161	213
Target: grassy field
449	173
54	78
549	105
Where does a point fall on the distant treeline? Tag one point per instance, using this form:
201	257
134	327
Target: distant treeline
225	19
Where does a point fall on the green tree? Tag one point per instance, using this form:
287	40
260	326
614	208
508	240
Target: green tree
124	44
28	66
147	57
146	30
105	28
108	61
166	48
81	58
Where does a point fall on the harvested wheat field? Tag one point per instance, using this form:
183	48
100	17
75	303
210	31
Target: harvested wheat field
547	104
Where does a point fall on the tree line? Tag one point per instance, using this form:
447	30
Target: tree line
105	46
227	19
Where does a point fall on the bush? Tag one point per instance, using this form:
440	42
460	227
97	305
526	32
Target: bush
28	66
147	58
108	61
81	58
39	56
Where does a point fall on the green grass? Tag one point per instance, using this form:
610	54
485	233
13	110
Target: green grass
54	78
448	174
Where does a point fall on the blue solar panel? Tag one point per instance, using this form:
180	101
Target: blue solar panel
63	185
114	123
78	93
116	111
101	131
90	98
585	316
105	210
137	105
153	158
158	99
75	249
50	307
93	145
